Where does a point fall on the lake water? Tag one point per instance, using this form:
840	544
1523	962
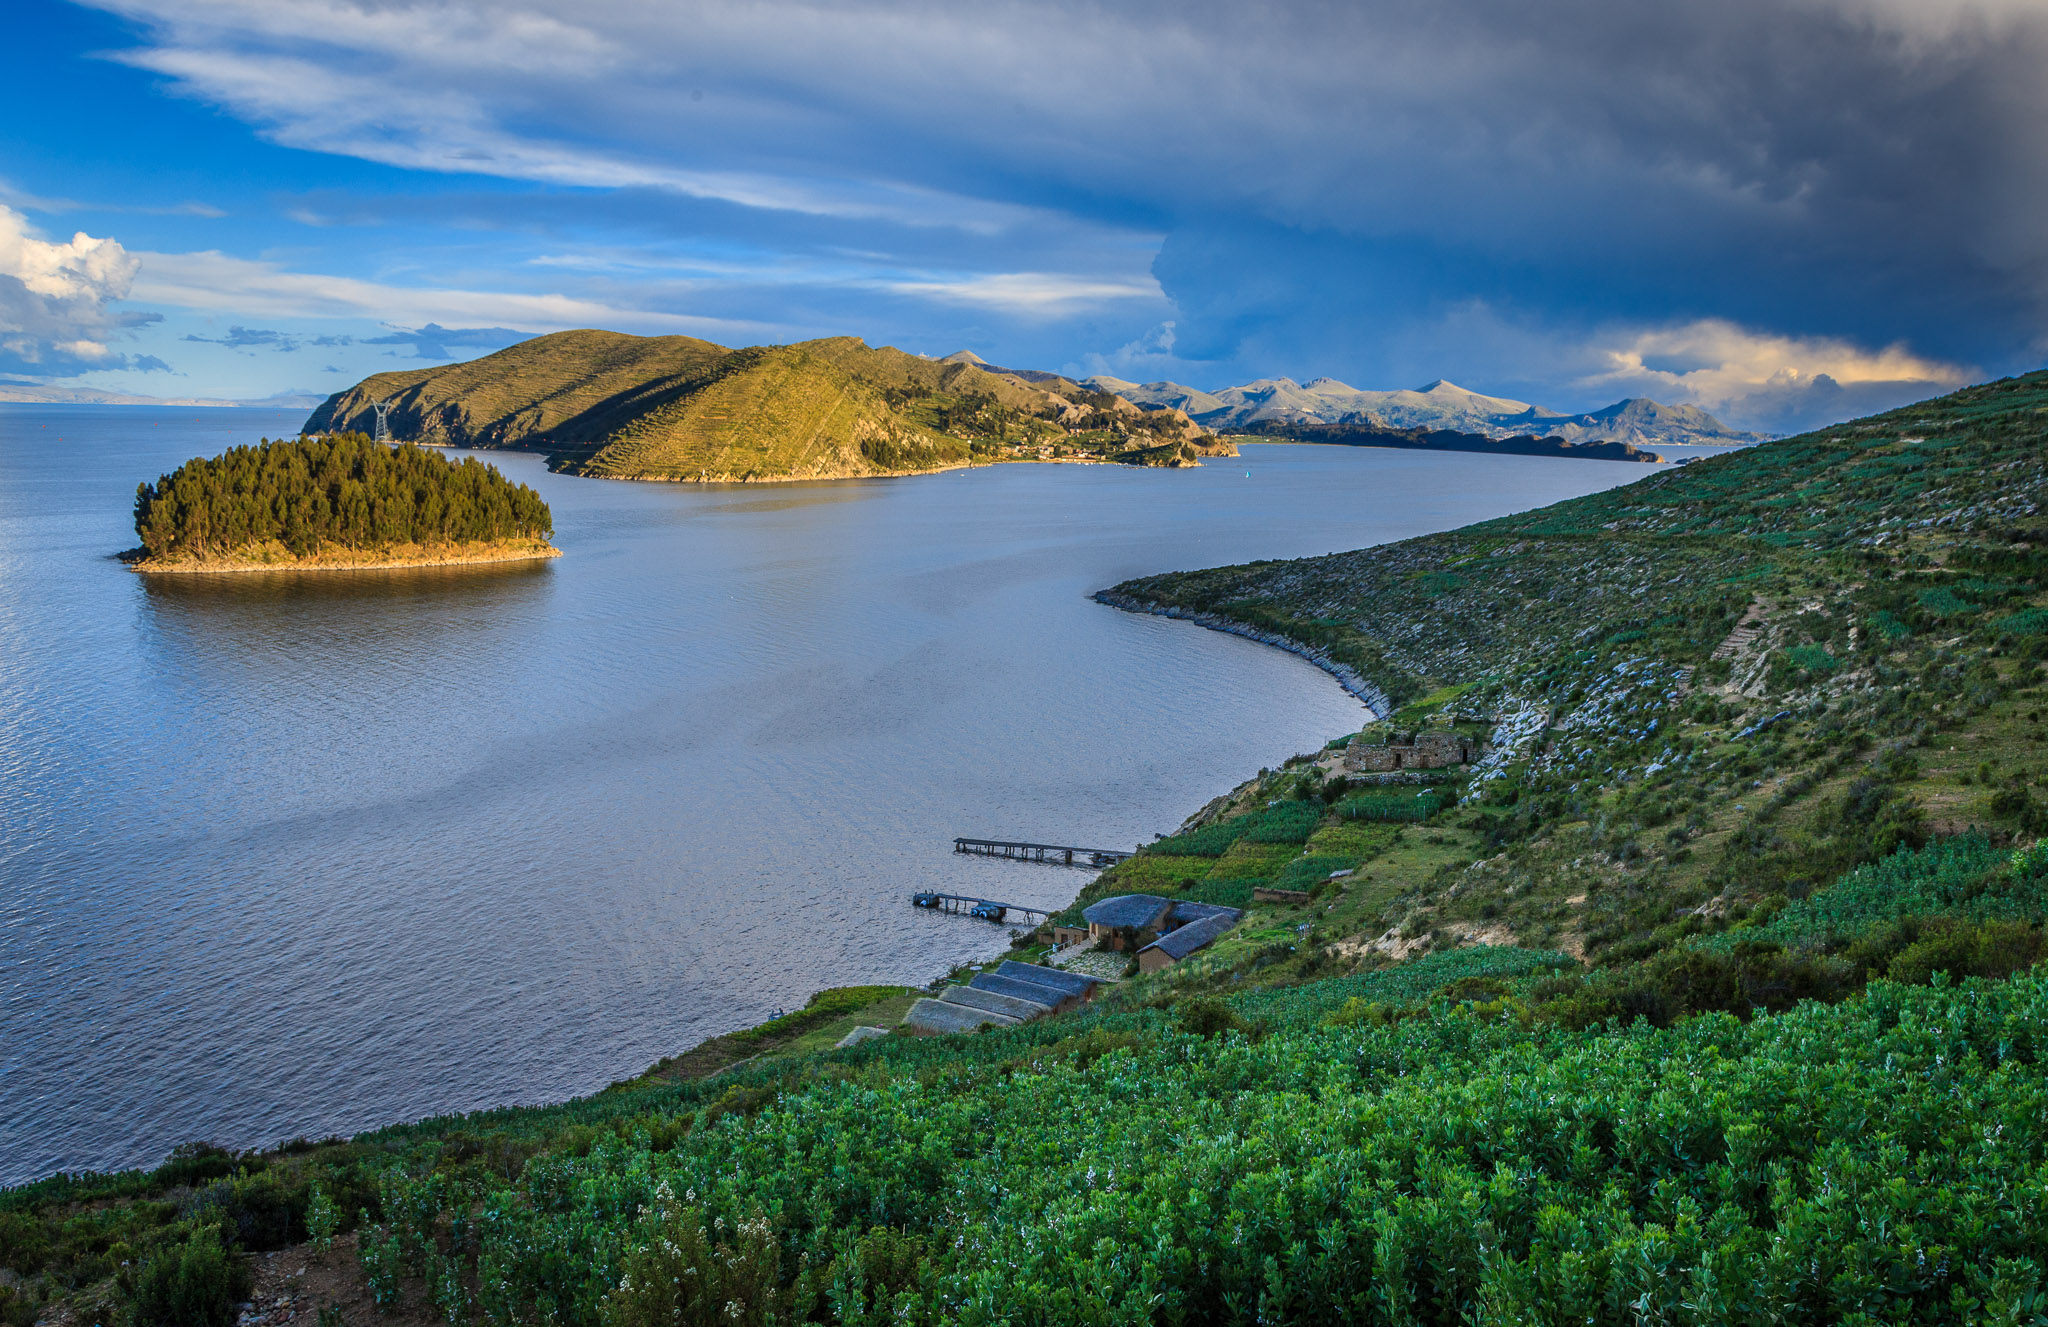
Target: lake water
299	855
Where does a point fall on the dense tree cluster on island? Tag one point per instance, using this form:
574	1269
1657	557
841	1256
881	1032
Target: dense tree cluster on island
344	490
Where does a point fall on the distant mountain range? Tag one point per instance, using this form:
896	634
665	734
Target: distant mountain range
23	393
1269	404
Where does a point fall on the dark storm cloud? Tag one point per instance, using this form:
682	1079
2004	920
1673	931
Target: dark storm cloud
1508	189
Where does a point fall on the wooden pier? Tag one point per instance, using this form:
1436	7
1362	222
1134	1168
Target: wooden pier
986	909
1056	854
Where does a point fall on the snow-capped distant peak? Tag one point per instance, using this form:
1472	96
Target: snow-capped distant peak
1441	404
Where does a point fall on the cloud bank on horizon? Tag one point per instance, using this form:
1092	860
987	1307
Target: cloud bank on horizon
1787	211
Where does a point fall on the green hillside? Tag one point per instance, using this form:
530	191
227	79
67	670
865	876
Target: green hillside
1711	994
1718	687
561	391
624	407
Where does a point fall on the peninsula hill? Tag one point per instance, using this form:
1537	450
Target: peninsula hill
613	406
1447	440
342	501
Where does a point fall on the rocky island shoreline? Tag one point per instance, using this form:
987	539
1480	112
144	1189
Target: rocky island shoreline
276	558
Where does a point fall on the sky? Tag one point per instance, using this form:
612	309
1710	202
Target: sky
1785	211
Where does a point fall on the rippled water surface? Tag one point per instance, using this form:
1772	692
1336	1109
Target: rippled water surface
301	855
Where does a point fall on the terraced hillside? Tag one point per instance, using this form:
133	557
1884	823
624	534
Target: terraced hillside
1712	993
1708	691
675	408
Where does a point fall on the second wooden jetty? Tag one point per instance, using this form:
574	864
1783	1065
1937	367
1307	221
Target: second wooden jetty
1057	854
986	909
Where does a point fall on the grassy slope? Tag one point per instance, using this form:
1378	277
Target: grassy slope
785	412
1879	566
673	407
1298	1128
567	390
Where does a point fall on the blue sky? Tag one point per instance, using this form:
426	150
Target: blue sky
1786	211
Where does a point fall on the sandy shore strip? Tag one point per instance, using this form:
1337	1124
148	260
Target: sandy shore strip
335	561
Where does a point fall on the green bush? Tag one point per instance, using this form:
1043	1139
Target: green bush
1208	1018
257	1211
193	1164
820	1009
683	1273
2026	622
1749	978
323	1220
197	1281
1943	602
1914	950
378	1251
1286	822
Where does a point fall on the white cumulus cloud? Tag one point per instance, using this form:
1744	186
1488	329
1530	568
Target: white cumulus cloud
55	314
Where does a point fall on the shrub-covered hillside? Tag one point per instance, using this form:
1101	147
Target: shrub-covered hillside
676	408
343	494
1712	994
1441	1141
1708	692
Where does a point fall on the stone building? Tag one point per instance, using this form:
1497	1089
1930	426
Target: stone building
1182	941
1145	918
1411	751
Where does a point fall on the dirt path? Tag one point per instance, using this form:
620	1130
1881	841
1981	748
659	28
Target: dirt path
293	1285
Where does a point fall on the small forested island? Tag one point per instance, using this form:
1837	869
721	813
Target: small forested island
339	501
613	406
